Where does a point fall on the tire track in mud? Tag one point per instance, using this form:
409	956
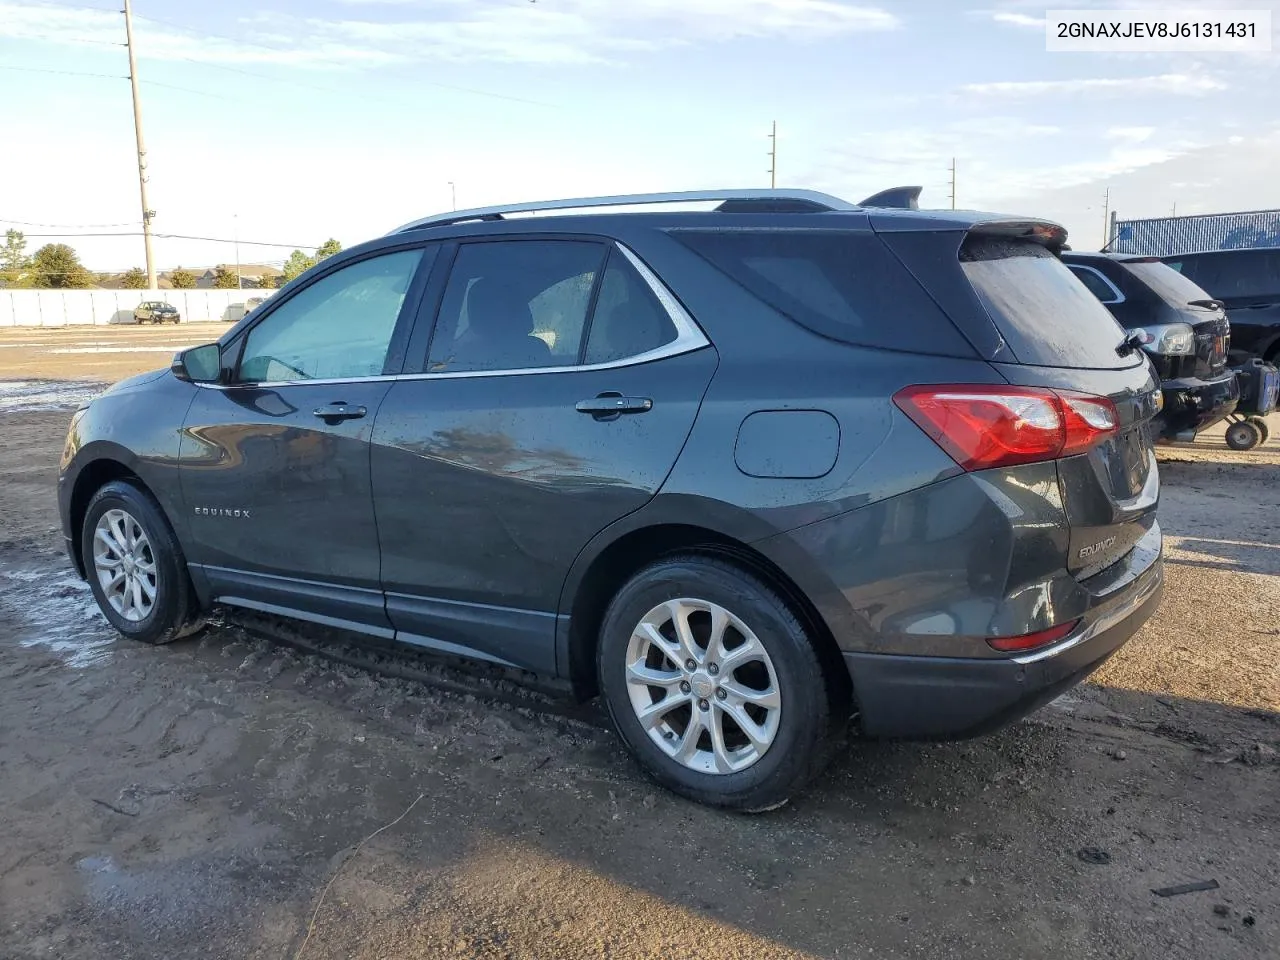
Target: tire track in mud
52	609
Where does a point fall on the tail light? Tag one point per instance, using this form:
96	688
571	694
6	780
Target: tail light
982	426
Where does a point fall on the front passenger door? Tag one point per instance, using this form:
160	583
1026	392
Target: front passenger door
274	465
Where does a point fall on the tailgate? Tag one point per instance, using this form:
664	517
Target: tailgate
1110	493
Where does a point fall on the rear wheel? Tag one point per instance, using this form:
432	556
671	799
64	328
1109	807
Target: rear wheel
1261	424
1243	435
136	569
715	686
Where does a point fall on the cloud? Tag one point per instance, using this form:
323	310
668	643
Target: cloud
401	31
1130	134
1018	19
591	31
1166	83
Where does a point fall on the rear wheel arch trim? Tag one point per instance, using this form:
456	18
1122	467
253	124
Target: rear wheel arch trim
605	566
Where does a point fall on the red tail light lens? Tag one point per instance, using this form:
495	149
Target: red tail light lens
982	425
1030	641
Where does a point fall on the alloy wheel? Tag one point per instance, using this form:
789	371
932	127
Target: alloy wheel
703	687
125	565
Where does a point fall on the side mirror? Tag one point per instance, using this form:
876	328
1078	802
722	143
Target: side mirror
199	364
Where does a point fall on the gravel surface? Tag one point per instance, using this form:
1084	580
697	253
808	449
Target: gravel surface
236	796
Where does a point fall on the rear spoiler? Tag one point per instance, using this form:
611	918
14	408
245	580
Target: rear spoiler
895	198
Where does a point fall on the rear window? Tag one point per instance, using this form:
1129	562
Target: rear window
842	284
1168	284
1047	316
1245	273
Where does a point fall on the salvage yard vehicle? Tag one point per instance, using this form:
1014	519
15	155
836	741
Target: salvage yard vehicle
743	471
1183	329
156	311
1247	282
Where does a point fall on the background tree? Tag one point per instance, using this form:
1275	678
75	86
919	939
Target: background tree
182	279
134	279
15	265
56	266
300	262
297	263
224	279
328	249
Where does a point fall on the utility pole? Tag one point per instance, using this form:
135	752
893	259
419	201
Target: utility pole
453	192
236	218
1175	209
773	157
147	212
1106	216
953	183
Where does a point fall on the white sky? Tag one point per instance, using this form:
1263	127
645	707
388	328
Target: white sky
294	120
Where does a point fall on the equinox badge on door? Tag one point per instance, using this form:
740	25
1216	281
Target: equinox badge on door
222	512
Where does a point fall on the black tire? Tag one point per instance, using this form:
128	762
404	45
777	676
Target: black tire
1243	435
1261	424
813	712
175	611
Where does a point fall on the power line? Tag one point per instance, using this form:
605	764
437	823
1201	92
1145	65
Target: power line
58	39
73	226
175	236
66	73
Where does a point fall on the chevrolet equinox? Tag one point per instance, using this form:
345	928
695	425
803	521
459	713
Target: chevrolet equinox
745	471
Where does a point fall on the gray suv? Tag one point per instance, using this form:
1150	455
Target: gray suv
744	472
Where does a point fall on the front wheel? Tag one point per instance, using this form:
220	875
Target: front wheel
135	566
715	686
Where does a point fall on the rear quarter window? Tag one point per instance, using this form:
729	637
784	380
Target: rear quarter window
1047	316
845	285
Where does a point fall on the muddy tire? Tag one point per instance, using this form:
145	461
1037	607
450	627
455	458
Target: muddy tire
715	686
135	567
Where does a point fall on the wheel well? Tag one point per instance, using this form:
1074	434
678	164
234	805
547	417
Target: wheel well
636	550
91	479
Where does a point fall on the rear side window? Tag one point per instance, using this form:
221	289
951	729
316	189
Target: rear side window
1168	284
1096	283
1045	314
515	305
628	319
842	284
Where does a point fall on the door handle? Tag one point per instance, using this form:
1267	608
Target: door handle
332	413
610	406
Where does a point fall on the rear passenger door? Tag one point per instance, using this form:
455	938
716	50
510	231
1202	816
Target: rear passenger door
559	386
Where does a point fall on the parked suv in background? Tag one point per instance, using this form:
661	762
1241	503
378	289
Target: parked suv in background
742	471
156	311
1248	284
1183	329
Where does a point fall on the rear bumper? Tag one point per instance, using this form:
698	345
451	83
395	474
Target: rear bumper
932	698
1193	405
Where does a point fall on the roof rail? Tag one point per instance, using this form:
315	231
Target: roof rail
731	201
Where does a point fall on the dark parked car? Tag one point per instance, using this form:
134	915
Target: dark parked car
742	472
1183	329
1248	284
156	311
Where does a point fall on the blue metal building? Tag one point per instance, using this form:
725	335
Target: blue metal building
1163	236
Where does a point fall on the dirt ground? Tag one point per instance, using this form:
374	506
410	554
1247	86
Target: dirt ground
235	796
